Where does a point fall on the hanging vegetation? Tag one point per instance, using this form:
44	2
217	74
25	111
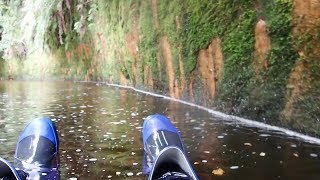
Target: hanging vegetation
255	58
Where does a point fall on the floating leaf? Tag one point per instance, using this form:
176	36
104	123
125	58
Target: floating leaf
293	145
218	172
234	167
313	155
262	154
129	174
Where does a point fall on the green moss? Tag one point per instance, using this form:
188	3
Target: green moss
168	23
238	48
2	68
110	21
305	115
240	91
206	20
307	112
268	98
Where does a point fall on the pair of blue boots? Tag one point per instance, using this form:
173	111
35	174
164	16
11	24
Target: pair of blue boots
36	155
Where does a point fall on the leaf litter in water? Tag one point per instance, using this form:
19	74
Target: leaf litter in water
313	155
218	172
234	167
262	154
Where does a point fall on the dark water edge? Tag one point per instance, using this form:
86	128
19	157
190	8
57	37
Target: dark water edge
100	134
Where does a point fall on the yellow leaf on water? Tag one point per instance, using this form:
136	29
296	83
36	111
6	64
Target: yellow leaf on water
218	172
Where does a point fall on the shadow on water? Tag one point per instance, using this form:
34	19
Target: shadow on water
100	134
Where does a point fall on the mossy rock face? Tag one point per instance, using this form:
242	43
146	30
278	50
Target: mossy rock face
122	41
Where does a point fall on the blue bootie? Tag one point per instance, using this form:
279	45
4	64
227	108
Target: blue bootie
164	156
37	150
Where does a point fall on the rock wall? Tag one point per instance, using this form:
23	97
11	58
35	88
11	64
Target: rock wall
262	47
304	78
210	68
254	59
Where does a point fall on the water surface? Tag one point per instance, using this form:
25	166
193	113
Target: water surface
100	134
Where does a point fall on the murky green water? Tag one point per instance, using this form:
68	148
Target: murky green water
100	134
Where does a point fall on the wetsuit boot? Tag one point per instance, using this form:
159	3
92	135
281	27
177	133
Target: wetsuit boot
164	155
37	150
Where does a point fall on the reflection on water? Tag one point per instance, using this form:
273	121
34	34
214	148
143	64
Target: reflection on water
100	134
